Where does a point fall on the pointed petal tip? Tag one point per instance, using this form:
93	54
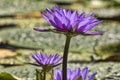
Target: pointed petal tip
42	13
98	33
92	14
34	28
92	76
101	33
37	29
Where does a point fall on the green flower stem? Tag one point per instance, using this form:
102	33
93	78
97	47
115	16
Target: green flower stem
44	75
38	75
65	57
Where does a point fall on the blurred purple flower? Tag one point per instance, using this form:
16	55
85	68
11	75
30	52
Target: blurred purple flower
66	21
44	60
74	74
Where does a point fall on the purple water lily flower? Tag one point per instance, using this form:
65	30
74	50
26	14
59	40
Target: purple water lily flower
44	60
68	22
74	74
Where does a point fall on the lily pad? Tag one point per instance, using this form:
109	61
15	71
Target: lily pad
6	76
28	38
103	12
6	53
105	71
24	6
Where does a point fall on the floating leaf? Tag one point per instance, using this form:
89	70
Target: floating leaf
6	76
6	53
24	6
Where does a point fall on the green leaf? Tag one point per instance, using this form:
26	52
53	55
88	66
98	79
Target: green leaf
6	76
79	78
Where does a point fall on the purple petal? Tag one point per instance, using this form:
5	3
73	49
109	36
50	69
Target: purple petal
85	73
56	62
91	15
64	11
74	17
82	16
58	74
58	15
68	14
53	24
58	22
48	60
94	20
49	12
90	26
74	25
41	29
34	64
82	25
56	8
92	76
69	26
65	22
76	74
93	33
45	16
36	59
52	60
50	20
